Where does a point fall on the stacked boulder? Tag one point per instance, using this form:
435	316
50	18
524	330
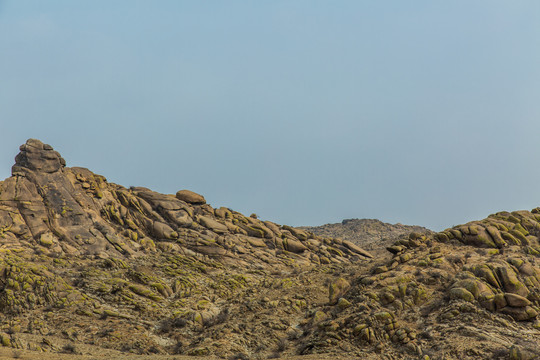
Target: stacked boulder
500	230
74	211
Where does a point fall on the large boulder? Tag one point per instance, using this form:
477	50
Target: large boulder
37	156
337	289
356	249
190	197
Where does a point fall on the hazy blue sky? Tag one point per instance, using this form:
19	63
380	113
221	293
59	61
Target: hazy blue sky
304	112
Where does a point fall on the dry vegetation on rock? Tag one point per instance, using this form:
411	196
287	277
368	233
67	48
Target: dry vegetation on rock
90	268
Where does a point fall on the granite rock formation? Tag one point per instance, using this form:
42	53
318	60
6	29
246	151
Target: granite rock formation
88	266
72	211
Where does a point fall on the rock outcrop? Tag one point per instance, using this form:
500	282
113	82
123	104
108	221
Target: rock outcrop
88	265
472	291
73	211
370	234
190	197
36	156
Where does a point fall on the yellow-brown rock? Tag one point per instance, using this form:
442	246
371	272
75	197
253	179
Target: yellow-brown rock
190	197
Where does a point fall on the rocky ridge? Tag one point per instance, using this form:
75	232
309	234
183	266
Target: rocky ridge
86	264
370	234
75	248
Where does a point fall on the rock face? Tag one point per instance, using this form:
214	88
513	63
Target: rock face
36	156
87	265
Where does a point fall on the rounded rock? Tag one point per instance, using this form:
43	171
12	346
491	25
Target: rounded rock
190	197
461	294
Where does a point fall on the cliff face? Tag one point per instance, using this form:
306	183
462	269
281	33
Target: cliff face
87	266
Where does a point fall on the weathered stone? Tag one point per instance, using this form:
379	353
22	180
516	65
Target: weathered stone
223	213
337	289
461	294
343	303
163	231
499	300
482	239
212	224
256	242
516	300
496	236
396	249
251	230
516	353
294	246
190	197
46	239
520	313
485	272
212	250
180	218
69	256
35	156
356	249
298	233
510	282
319	317
457	234
475	287
528	270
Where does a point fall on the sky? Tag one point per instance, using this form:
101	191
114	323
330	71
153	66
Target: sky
304	112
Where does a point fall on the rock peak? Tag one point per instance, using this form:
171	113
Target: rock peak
37	156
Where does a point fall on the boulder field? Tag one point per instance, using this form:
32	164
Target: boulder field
88	266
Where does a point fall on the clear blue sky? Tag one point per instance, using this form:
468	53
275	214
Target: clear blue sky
304	112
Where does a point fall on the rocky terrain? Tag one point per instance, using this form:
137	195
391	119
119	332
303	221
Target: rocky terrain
92	269
370	234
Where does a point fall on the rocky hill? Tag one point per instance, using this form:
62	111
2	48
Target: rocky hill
88	267
370	234
84	261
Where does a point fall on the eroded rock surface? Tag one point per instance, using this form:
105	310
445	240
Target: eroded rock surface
71	240
87	262
72	211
